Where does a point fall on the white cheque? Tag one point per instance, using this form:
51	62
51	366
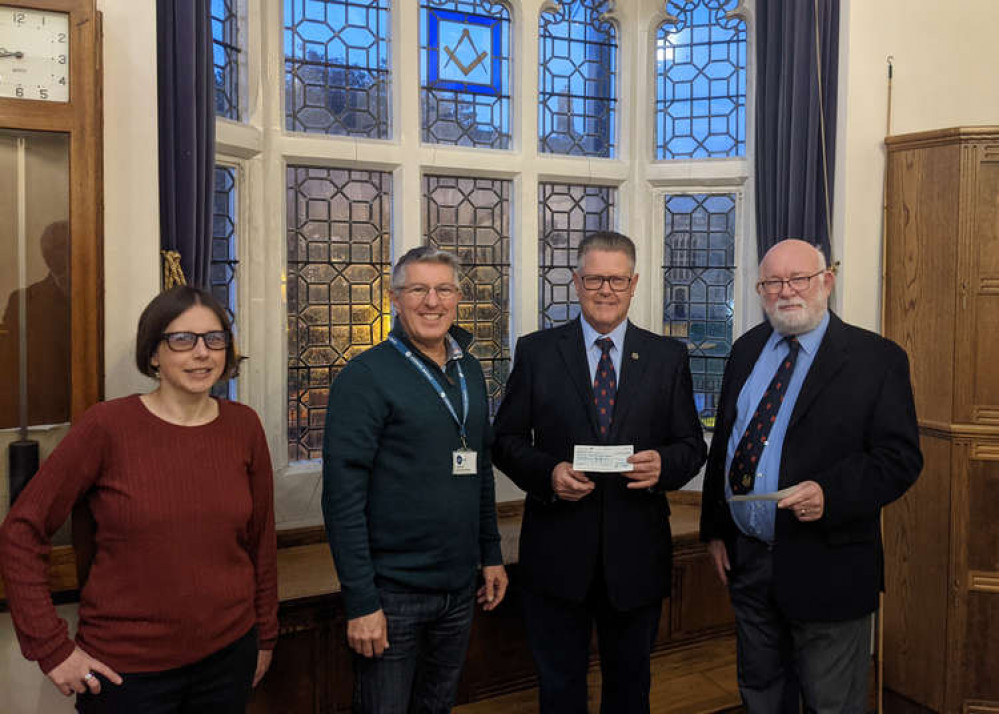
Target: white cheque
602	459
774	496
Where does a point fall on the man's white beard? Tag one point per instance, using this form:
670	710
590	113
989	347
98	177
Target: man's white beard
796	322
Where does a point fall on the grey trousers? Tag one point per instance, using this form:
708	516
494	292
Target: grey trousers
829	661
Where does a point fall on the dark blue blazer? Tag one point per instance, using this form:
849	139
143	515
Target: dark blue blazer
547	409
853	431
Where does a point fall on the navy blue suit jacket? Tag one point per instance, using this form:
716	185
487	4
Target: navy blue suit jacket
853	431
547	409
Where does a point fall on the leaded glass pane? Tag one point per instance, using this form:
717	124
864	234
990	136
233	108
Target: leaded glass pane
471	218
465	65
701	81
224	261
576	93
568	212
225	58
699	274
339	275
337	67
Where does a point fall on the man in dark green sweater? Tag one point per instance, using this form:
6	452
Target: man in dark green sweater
408	496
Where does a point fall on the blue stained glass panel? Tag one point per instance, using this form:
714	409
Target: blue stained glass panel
224	260
577	71
698	283
465	66
701	81
337	67
225	58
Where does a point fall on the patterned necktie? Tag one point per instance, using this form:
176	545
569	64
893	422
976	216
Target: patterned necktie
604	387
742	473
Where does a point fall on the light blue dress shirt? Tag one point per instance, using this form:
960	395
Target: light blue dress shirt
756	518
593	352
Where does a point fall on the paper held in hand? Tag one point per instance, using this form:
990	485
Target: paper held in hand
774	496
602	459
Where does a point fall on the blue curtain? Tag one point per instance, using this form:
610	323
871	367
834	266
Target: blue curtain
186	91
792	124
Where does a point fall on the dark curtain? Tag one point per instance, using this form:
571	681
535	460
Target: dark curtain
791	179
186	91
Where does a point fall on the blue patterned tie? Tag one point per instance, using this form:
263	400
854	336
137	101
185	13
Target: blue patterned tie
742	473
604	387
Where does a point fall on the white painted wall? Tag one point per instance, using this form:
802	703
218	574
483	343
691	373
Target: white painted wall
945	56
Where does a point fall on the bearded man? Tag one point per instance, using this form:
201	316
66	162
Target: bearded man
815	433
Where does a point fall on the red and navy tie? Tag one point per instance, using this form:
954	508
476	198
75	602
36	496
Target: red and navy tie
604	387
742	473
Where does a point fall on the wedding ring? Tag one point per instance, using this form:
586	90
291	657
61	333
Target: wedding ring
88	676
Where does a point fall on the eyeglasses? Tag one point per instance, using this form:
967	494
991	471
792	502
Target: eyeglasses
618	283
798	283
185	341
420	293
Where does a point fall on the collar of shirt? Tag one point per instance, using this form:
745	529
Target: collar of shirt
590	337
809	341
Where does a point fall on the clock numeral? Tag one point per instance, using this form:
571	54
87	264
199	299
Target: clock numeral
62	80
62	59
19	92
43	93
61	38
19	18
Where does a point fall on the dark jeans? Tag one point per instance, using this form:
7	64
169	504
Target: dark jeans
428	638
776	655
559	632
218	684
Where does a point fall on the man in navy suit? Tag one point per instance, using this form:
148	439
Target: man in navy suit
596	548
818	414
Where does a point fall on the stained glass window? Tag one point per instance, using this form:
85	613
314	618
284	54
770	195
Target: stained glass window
224	258
577	50
465	65
699	273
471	218
339	275
225	58
701	81
568	212
337	67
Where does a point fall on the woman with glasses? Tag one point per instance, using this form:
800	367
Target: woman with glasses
179	612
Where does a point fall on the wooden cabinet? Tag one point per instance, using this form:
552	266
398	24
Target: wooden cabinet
941	614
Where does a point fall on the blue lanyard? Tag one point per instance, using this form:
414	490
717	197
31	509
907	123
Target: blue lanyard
408	354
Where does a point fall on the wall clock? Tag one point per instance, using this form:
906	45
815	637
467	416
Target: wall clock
50	219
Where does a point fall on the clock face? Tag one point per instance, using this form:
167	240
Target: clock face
34	54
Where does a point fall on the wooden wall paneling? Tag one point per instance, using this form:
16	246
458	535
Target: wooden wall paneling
700	604
981	661
921	275
956	613
967	323
986	282
916	580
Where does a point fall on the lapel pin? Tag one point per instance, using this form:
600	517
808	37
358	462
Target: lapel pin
634	355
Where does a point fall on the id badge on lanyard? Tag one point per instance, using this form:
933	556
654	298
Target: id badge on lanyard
464	461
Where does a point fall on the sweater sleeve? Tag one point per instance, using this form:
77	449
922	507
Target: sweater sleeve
263	540
355	415
489	537
25	536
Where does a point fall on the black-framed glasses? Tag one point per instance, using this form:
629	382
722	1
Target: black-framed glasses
445	292
799	283
185	341
618	283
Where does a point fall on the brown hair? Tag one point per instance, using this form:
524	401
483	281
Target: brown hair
167	307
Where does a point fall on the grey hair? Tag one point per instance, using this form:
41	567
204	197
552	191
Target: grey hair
608	241
423	254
